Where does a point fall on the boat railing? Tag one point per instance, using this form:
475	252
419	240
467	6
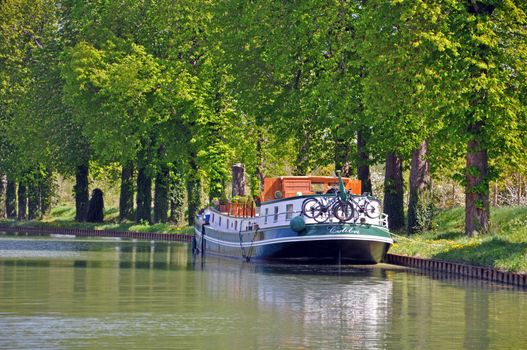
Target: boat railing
273	218
286	216
366	208
249	219
383	221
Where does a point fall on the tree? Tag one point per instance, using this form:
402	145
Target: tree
402	48
29	98
295	72
126	196
485	75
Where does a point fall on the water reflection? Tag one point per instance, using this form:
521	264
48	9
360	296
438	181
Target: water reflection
93	253
350	305
68	293
324	306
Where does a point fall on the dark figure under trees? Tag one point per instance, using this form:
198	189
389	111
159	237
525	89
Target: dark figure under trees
96	206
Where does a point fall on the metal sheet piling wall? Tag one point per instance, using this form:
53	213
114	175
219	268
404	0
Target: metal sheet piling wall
471	271
153	236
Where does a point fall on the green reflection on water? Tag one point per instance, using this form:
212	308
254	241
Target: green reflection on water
68	294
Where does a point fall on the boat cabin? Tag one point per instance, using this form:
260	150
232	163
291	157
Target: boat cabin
275	212
292	186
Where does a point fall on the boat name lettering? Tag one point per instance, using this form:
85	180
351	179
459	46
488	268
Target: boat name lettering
343	229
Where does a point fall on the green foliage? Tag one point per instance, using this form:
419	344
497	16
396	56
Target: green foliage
176	193
484	77
292	75
274	85
425	213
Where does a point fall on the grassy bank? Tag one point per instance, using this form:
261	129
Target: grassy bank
64	217
505	248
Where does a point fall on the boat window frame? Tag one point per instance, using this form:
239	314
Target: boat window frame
288	212
276	211
266	215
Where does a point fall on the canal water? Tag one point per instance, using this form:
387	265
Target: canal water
66	293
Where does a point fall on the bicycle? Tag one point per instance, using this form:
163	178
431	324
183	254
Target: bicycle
344	210
321	209
367	205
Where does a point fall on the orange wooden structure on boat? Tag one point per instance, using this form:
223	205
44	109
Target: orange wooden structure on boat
291	186
241	210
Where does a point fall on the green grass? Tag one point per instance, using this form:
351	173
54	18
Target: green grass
504	248
63	217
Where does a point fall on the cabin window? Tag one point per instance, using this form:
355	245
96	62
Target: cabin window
266	215
289	212
227	223
236	225
212	217
219	221
275	214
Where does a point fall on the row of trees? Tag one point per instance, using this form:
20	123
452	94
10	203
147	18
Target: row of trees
172	93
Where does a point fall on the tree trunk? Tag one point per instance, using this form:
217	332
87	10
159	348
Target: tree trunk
10	199
46	192
177	195
193	190
302	157
22	201
342	155
33	198
519	197
144	196
161	194
418	219
259	161
476	190
394	192
144	181
3	182
81	193
363	171
238	180
126	195
495	195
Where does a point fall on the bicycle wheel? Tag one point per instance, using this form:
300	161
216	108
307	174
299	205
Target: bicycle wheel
321	213
373	209
359	204
343	211
309	206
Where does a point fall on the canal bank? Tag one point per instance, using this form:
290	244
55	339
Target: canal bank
459	269
433	265
77	232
